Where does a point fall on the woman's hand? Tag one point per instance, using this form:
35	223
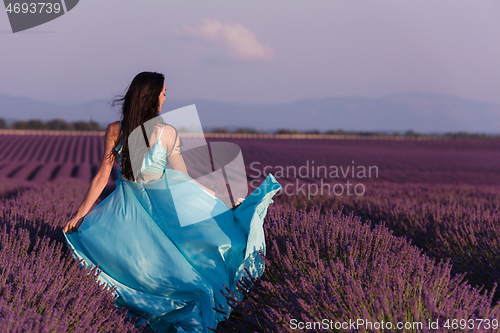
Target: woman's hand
237	203
100	179
73	224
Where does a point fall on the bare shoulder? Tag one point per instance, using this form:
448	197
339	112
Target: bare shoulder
169	131
113	129
168	137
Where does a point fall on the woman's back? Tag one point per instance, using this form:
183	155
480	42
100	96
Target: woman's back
151	156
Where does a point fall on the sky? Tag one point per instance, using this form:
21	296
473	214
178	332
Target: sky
258	51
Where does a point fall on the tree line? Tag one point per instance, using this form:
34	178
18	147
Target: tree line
62	125
56	125
408	133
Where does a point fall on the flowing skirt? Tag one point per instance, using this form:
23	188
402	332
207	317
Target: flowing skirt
170	248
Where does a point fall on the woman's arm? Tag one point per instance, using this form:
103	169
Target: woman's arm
100	180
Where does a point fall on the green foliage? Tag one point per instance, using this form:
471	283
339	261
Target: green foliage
62	125
246	130
411	133
29	124
59	124
336	132
287	131
468	135
315	131
220	130
362	133
54	125
87	126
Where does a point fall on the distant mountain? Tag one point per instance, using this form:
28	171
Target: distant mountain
420	112
23	108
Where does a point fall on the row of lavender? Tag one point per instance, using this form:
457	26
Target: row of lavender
466	161
321	265
460	222
457	222
42	289
331	271
48	157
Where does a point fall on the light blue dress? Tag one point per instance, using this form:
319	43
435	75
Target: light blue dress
173	272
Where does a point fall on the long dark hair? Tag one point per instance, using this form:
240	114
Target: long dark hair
139	105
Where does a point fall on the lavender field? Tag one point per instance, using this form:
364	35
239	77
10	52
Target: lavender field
420	245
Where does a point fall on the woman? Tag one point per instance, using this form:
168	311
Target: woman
172	271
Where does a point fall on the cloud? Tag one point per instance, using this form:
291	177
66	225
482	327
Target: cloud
238	40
